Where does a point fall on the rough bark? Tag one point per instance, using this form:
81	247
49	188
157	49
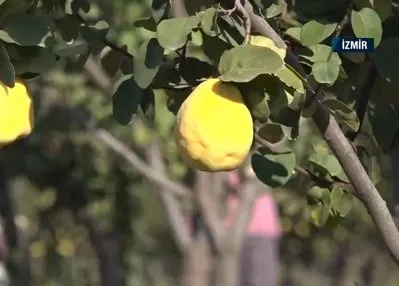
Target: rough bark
198	263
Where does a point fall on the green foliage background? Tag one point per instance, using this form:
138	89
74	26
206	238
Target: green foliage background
61	183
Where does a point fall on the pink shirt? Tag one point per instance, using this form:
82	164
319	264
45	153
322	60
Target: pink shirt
264	221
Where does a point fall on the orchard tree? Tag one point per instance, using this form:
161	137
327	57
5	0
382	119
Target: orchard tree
245	75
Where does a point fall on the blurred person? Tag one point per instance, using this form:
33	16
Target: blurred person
259	265
260	251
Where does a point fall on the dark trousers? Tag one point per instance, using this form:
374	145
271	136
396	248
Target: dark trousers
260	261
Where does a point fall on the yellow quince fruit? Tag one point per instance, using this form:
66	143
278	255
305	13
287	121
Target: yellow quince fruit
214	128
16	113
262	41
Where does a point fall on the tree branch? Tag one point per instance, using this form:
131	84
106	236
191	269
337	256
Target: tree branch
209	210
104	83
172	207
351	164
247	21
149	173
346	19
107	247
361	182
258	23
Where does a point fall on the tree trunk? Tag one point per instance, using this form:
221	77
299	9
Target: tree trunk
198	263
228	268
108	248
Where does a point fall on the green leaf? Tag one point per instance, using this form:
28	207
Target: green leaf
7	72
195	70
367	24
146	23
326	71
196	38
69	28
159	9
95	33
244	63
317	194
322	53
111	60
31	59
319	205
146	62
382	7
208	22
341	201
370	164
127	66
176	98
271	132
343	113
289	118
14	29
357	58
147	105
294	32
327	163
168	76
125	101
214	47
290	78
172	33
232	31
298	100
342	76
273	169
255	97
386	59
73	6
384	121
275	10
319	214
314	32
64	50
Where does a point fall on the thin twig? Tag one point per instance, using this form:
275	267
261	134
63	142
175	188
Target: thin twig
346	19
227	11
257	23
341	25
247	20
108	42
117	48
33	6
